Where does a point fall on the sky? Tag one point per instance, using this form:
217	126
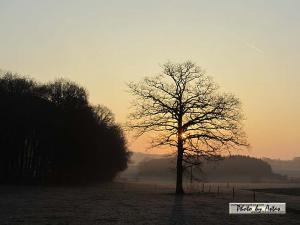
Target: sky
250	48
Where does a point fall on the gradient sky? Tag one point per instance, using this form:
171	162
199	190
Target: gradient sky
251	48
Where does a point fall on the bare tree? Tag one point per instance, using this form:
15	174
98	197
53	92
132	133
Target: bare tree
183	108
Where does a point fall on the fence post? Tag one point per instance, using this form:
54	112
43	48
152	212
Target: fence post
191	178
254	198
233	192
202	187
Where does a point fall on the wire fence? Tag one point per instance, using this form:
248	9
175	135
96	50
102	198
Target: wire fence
247	192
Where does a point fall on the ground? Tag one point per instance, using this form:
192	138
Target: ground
135	203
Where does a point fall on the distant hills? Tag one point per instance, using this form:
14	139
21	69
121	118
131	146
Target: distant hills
138	157
290	168
231	169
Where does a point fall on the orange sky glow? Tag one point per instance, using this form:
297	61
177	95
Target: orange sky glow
250	48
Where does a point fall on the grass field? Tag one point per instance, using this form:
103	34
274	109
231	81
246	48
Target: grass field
281	191
136	203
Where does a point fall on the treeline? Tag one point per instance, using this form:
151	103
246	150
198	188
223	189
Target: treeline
241	169
290	168
229	169
51	134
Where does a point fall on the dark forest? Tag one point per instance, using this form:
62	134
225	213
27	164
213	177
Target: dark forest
51	134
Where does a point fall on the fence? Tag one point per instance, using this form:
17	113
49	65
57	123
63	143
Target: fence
234	191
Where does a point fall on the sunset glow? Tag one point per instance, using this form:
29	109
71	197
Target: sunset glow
250	48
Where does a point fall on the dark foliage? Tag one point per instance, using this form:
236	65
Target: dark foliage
51	134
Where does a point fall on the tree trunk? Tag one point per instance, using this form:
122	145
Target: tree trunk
179	188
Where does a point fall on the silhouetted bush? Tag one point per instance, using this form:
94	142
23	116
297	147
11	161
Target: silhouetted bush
50	133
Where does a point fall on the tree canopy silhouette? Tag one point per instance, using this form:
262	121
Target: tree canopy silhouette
50	133
183	109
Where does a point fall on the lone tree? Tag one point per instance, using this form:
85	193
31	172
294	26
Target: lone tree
183	108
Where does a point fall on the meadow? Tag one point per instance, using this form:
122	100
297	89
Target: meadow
140	203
